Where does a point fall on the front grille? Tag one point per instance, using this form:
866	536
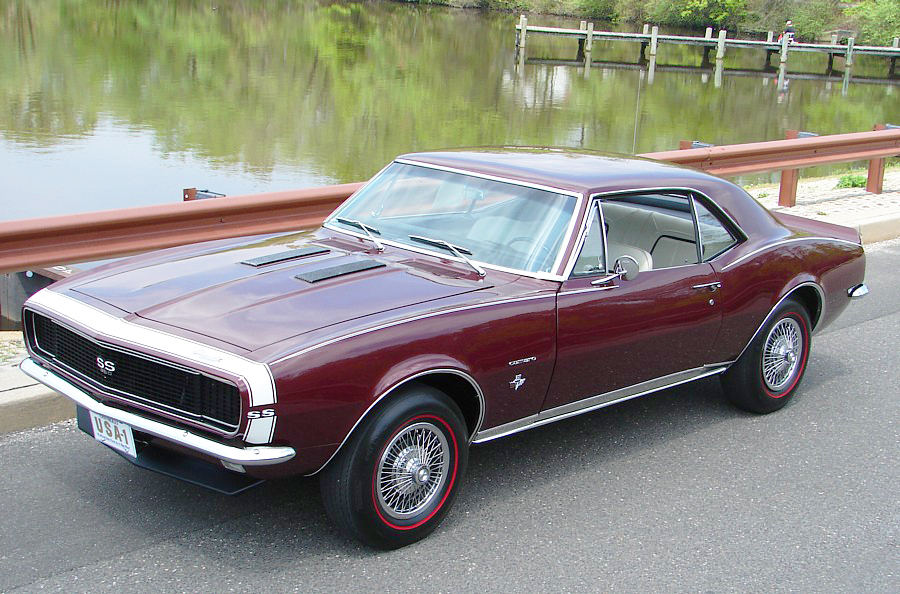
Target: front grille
135	377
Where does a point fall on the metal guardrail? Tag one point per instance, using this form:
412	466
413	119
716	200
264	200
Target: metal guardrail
68	239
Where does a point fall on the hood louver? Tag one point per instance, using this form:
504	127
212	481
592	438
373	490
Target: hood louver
314	276
284	256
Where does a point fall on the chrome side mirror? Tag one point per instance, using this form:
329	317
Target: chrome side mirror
626	268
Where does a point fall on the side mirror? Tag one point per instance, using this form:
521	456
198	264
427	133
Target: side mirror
626	267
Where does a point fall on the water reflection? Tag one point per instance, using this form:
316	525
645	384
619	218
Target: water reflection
111	103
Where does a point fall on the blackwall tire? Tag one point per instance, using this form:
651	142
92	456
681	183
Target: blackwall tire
768	373
397	477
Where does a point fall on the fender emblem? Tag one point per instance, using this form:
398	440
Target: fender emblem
517	382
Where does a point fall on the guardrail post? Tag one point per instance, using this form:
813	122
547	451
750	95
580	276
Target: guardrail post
190	194
787	191
654	40
875	178
720	48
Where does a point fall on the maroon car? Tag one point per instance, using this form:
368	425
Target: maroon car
458	297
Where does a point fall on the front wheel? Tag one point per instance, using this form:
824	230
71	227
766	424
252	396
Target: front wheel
397	477
767	374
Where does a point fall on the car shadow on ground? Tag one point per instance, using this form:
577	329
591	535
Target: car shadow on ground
283	522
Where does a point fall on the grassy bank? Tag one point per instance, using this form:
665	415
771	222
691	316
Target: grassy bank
876	21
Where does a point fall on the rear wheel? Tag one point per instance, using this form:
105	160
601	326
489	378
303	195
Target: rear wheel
767	374
395	480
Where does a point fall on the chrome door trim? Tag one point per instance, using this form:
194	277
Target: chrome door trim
599	401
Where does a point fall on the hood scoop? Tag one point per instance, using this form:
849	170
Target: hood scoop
314	276
284	256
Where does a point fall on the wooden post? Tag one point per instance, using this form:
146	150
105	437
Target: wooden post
893	67
770	36
720	48
654	40
583	25
523	24
785	42
590	38
579	56
849	58
875	179
834	39
787	192
646	28
708	33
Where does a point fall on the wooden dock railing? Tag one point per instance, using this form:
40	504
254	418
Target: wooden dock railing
34	243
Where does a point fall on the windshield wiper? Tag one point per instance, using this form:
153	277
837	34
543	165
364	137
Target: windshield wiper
457	250
368	229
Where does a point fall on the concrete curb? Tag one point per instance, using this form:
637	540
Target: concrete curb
879	228
32	406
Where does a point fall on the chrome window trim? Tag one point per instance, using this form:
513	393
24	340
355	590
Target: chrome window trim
134	398
597	402
786	241
554	276
399	384
257	376
384	326
250	456
601	195
593	210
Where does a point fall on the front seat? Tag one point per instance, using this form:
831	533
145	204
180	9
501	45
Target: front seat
642	257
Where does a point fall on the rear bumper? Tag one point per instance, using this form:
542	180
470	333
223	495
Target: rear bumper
249	456
858	291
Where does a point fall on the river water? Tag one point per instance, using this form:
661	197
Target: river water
114	103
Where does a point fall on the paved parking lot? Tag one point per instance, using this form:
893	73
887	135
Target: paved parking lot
672	492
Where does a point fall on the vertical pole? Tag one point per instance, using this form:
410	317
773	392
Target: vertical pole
717	75
708	33
590	37
579	56
720	48
654	40
646	28
583	25
651	70
189	194
770	36
849	60
523	27
893	67
785	42
787	192
684	145
834	39
875	179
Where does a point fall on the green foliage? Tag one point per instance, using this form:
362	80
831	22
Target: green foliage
878	20
852	180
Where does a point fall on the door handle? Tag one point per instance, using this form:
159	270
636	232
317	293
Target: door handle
713	287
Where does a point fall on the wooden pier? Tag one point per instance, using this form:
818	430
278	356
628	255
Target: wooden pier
650	39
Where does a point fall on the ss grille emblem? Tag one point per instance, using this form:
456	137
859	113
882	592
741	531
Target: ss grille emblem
106	367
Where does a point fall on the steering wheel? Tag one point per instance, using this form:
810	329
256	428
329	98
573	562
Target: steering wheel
530	241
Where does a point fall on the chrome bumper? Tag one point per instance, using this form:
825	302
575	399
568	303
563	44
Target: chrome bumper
250	456
858	291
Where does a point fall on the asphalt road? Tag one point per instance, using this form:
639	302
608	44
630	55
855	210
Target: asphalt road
671	492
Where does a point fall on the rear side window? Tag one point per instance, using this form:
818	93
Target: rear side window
715	238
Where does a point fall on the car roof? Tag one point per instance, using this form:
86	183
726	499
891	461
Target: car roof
582	170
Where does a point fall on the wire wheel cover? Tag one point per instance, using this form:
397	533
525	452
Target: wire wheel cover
782	354
412	470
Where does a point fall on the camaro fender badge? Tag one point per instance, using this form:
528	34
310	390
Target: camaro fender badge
517	382
521	361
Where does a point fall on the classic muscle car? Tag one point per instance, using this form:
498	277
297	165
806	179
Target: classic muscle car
458	297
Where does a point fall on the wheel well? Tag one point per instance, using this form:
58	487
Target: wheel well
461	391
809	298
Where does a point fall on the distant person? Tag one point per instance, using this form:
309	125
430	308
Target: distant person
789	32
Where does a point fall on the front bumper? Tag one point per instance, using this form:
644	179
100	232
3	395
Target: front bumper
250	456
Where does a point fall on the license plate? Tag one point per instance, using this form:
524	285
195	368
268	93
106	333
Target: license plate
114	434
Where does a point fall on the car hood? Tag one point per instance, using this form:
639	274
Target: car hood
219	295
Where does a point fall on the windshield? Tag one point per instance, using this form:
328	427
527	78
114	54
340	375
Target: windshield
500	224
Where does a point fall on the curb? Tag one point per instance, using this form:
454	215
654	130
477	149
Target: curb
33	406
878	228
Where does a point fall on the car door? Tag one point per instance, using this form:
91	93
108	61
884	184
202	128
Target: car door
617	337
